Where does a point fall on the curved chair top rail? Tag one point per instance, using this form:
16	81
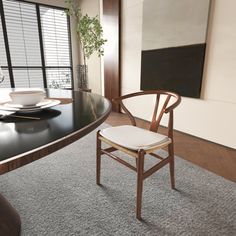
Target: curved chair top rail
149	92
164	109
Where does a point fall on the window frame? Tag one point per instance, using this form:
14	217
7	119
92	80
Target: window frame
43	67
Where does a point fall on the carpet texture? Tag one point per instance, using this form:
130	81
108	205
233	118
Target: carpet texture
57	195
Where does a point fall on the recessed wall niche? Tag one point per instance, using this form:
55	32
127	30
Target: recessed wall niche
173	45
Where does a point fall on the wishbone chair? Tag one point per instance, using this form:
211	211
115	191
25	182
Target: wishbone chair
138	142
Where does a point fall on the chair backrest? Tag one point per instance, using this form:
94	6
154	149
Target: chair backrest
165	102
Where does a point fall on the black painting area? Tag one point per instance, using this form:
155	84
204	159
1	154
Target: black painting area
177	69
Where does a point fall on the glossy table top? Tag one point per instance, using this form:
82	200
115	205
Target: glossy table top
57	127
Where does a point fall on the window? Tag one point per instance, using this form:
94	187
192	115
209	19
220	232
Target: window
35	44
3	59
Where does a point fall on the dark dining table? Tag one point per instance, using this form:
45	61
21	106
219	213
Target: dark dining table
23	140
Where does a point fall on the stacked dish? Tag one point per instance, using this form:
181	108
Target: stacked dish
28	101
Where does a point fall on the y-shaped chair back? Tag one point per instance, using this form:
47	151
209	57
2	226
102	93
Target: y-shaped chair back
165	103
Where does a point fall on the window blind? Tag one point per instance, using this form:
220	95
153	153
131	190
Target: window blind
23	39
22	32
3	59
39	45
56	47
55	37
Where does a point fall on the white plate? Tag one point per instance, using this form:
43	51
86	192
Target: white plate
47	103
38	105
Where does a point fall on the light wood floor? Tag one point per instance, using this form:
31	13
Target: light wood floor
216	158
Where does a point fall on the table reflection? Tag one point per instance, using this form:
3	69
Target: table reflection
18	136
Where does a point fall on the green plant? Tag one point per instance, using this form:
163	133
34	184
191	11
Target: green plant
89	31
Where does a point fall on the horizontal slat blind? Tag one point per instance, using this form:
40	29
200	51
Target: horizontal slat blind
28	78
55	37
23	36
3	58
26	53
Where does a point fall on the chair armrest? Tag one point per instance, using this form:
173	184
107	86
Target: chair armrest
174	105
119	100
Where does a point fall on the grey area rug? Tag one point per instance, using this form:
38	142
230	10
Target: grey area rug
57	195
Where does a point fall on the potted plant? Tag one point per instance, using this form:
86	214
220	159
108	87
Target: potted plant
90	35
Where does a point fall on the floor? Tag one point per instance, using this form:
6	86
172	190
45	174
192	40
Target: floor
216	158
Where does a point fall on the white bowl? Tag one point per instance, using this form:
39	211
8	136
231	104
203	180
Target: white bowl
27	97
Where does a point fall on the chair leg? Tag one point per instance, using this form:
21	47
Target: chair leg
98	159
172	165
140	167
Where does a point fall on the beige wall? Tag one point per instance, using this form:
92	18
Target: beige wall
213	116
174	26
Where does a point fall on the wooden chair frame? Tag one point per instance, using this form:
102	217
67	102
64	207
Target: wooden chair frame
140	154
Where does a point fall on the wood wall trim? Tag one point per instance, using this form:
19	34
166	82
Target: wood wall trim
112	65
